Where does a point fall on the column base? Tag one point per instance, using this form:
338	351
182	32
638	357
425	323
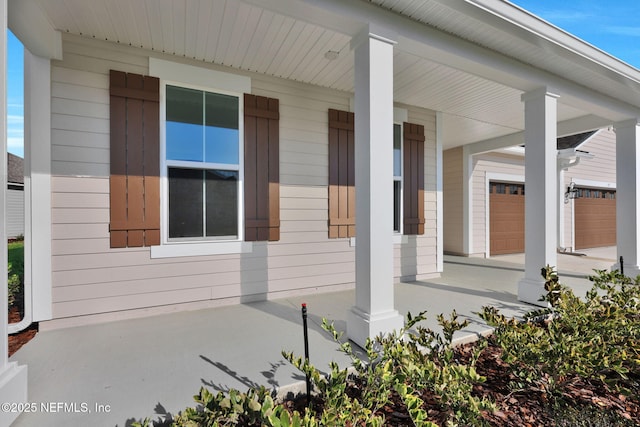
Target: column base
631	271
13	389
361	325
530	291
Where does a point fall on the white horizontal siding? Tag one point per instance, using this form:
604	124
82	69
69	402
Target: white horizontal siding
90	278
15	213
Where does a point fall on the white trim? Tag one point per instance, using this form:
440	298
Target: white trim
209	81
400	116
439	200
593	184
492	176
13	378
38	253
467	201
171	250
204	77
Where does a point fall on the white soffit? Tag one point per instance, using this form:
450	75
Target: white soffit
289	39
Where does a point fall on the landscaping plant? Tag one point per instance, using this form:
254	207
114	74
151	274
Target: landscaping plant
575	363
596	337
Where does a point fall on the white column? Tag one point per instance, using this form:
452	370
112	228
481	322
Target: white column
541	202
374	311
38	145
13	378
628	195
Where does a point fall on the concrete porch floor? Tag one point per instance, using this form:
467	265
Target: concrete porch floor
131	369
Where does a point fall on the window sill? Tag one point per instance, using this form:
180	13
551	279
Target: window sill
174	250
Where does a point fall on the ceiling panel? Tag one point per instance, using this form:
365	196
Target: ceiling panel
244	36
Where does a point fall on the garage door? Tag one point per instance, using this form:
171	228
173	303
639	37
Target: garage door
595	218
506	213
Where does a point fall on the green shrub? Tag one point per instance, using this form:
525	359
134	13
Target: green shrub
403	364
13	282
597	338
398	366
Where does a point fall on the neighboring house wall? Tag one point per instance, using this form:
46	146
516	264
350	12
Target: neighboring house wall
483	166
15	213
90	278
452	195
599	172
15	196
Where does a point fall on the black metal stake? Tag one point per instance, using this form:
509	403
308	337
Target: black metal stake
621	265
306	349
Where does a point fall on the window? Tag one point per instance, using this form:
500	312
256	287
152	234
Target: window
194	162
202	160
408	175
397	178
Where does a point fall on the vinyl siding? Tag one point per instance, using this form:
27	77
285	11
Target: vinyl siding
602	169
90	278
15	213
484	164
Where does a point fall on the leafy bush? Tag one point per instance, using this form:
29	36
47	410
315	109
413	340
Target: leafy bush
399	366
13	282
597	338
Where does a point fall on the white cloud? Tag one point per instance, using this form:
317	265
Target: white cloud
15	120
15	145
566	16
624	31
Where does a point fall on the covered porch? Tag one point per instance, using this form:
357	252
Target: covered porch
152	366
486	73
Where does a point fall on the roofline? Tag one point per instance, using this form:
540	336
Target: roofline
556	35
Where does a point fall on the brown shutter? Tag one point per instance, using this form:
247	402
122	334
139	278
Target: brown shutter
342	190
413	175
134	184
261	168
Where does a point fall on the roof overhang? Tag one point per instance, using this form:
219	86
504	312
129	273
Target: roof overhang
471	60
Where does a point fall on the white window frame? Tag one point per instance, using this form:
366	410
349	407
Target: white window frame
175	74
400	116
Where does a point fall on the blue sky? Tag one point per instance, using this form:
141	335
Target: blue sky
15	97
610	25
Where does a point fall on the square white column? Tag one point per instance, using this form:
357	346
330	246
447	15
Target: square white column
541	201
628	195
374	311
13	378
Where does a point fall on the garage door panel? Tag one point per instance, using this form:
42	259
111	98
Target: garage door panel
595	219
506	213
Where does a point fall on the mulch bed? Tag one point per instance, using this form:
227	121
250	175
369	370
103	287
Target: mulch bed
21	338
583	403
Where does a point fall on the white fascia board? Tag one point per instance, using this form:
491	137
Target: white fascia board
582	124
31	26
527	26
565	128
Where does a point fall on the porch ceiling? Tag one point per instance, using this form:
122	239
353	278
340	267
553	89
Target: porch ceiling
277	38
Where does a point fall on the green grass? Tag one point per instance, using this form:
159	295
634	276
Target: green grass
16	258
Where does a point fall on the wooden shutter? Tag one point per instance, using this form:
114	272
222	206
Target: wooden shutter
134	184
261	168
342	190
413	175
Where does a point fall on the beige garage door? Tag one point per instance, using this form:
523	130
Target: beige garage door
595	218
506	213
